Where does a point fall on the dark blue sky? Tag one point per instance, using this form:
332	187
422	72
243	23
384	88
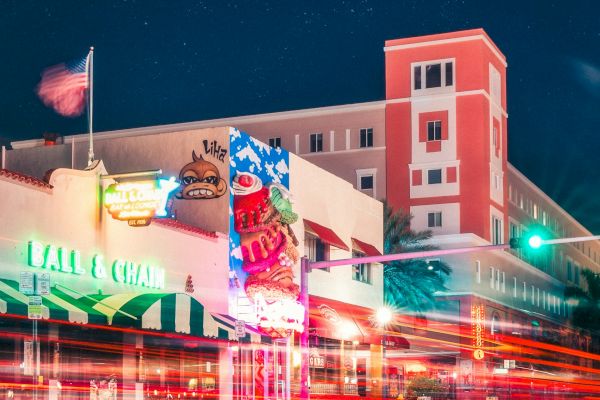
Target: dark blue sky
173	61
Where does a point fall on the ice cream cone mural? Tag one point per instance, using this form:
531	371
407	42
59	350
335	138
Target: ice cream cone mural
262	217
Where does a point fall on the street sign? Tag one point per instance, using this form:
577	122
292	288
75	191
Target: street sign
27	357
34	307
43	284
240	328
26	281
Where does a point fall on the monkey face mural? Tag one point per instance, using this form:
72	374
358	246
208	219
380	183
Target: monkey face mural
200	179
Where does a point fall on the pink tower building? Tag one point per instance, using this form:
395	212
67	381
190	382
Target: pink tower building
445	131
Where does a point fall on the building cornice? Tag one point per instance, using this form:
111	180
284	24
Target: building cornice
450	40
511	168
211	123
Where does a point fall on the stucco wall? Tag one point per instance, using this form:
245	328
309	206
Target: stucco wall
69	216
323	198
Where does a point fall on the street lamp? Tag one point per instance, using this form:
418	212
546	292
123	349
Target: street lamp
306	266
384	316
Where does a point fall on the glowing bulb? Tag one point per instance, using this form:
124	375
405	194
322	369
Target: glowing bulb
384	315
535	242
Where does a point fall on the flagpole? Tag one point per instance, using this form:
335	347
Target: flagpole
91	105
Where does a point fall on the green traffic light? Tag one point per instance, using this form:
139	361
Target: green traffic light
535	242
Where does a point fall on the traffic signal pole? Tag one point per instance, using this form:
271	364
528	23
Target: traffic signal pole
306	266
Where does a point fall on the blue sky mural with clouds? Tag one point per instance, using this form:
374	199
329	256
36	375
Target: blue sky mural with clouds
269	164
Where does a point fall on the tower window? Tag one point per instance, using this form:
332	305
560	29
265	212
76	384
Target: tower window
434	176
434	130
417	76
434	75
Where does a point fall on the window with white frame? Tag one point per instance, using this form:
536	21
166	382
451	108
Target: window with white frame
478	271
496	230
275	142
361	272
434	176
434	219
524	291
515	287
503	283
316	142
495	136
532	295
491	277
366	137
366	180
434	130
495	327
436	74
498	273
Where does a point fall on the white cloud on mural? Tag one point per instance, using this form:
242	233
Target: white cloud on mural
235	134
282	167
271	172
262	147
249	153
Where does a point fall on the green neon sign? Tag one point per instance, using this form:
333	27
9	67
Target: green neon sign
59	259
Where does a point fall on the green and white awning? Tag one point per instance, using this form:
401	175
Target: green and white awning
165	312
54	306
227	323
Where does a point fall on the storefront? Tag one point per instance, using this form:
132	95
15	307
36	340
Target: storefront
226	254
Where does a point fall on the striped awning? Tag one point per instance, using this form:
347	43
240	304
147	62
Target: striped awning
166	312
226	325
54	305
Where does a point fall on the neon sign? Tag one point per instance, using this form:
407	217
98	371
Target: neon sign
477	328
140	201
60	259
279	317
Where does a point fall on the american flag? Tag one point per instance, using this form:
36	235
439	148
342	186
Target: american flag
63	87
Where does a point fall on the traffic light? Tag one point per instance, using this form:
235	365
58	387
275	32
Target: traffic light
531	242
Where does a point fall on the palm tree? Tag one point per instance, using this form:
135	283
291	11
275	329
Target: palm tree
410	284
586	314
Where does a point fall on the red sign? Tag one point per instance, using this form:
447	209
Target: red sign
478	330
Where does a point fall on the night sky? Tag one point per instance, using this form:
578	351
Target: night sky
177	61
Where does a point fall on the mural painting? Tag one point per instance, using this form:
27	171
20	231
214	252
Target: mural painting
201	179
263	244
